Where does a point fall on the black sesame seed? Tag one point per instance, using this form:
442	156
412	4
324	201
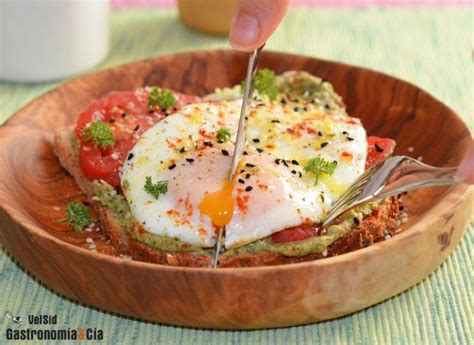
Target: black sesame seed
130	156
284	163
350	138
247	176
296	109
275	121
345	133
137	128
182	150
356	221
225	152
320	133
327	106
335	162
294	162
124	114
324	144
190	160
242	171
151	111
378	148
259	150
172	166
277	161
208	143
248	188
256	140
283	101
111	120
245	153
305	109
401	208
293	172
241	181
250	165
300	174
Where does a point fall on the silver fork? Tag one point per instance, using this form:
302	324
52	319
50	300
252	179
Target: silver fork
393	176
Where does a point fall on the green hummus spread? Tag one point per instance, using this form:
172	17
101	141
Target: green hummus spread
108	197
309	246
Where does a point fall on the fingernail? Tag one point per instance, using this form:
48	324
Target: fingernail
245	32
466	169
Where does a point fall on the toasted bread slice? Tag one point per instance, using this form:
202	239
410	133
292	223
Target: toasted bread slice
383	221
64	148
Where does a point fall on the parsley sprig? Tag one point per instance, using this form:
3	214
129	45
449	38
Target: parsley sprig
318	166
100	133
78	215
265	83
155	189
222	135
162	98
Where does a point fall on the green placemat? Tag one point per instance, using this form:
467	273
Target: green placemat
431	47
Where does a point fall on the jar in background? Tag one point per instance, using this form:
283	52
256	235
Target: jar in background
44	40
209	16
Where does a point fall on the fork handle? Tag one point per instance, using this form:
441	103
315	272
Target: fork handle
409	174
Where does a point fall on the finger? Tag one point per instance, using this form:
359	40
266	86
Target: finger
466	169
254	21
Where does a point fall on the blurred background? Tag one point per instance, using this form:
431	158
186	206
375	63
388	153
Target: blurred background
45	42
428	42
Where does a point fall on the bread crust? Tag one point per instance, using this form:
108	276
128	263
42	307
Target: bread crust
381	223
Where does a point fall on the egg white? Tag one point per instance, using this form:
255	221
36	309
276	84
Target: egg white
282	195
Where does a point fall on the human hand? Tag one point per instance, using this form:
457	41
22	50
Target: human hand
466	168
254	21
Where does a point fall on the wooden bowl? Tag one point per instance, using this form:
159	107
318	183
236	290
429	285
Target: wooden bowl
33	185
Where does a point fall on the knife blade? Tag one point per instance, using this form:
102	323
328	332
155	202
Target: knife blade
246	104
240	140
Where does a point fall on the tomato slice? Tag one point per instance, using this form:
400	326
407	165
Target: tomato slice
129	116
296	233
378	150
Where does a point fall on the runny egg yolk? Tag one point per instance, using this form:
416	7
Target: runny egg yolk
219	206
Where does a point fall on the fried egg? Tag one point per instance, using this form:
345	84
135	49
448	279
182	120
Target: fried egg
271	190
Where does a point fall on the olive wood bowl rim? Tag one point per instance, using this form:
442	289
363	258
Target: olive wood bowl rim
35	230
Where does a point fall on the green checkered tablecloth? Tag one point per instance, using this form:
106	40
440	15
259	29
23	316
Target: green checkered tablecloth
431	47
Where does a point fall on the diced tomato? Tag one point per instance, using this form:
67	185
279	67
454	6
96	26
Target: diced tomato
378	150
296	233
128	114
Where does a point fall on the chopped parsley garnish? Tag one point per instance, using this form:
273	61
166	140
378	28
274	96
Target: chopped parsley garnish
155	189
265	83
78	216
222	135
100	133
162	98
318	166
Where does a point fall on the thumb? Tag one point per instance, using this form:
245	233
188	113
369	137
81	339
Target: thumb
254	21
466	168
